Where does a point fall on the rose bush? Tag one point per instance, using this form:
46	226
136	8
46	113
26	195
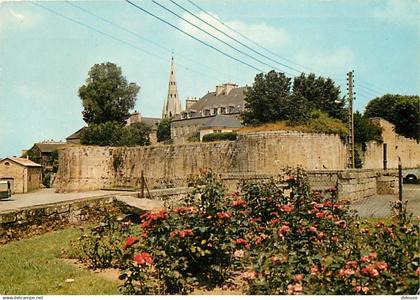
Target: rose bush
276	237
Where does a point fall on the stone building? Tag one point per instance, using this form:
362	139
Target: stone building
172	105
201	115
23	174
43	153
394	146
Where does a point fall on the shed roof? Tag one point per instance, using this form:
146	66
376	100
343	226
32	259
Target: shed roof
76	135
22	161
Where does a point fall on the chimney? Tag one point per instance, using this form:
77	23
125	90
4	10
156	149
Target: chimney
189	102
219	89
229	86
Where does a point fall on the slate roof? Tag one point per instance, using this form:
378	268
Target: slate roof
235	98
22	161
222	121
76	135
48	147
152	122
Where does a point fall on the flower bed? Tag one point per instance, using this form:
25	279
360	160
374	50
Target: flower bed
276	236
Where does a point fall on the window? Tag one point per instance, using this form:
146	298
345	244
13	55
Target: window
207	112
6	163
223	110
217	130
214	111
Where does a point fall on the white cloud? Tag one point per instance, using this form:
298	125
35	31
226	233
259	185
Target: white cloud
261	33
330	62
405	12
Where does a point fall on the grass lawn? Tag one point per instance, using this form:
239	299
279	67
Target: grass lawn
32	266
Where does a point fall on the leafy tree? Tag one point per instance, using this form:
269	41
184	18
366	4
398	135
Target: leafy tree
402	111
321	93
266	100
297	110
164	130
365	130
115	134
106	95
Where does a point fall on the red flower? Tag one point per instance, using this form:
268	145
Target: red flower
260	239
143	258
314	270
381	265
312	229
274	221
365	259
243	242
131	240
370	270
320	214
223	215
240	202
182	233
284	229
334	239
146	224
287	208
373	255
351	264
274	213
298	277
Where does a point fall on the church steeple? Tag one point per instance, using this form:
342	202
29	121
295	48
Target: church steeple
172	105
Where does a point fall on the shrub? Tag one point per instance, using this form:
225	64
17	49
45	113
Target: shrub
275	236
220	136
320	122
115	134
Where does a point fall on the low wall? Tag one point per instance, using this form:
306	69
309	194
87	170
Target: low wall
35	220
90	167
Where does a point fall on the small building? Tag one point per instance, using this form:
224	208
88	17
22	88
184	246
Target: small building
23	174
220	123
74	138
43	153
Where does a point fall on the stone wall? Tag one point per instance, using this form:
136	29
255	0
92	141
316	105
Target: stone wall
31	221
397	146
90	167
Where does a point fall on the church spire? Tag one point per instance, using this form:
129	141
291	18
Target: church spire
172	105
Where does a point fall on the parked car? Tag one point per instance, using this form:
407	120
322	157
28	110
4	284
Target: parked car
5	189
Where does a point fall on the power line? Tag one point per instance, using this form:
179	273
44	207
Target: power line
215	37
195	38
232	38
112	37
369	89
141	37
247	38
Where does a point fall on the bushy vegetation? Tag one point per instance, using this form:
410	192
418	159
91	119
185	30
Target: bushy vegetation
115	134
272	98
220	136
402	111
163	133
275	237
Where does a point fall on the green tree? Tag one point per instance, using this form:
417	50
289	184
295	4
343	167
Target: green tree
106	95
164	130
115	134
322	94
402	111
266	100
365	131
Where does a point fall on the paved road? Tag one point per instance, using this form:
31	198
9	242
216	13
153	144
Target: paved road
48	196
378	206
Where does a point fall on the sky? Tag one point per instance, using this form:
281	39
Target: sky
48	47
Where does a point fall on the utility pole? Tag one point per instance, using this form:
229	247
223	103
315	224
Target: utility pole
350	148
